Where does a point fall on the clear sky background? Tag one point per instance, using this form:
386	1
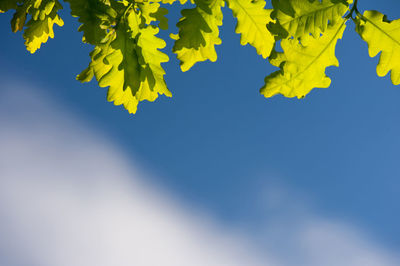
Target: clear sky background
255	165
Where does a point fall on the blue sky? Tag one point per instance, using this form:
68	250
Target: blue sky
218	146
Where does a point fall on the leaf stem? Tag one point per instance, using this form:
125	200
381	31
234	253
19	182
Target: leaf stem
129	7
353	9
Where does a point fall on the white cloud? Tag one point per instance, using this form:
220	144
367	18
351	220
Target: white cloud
68	196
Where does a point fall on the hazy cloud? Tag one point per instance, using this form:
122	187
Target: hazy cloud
68	196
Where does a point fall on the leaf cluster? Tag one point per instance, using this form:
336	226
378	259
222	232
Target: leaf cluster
298	37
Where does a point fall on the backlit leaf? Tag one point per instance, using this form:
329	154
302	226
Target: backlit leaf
252	24
96	17
6	5
40	27
382	36
303	64
296	18
128	62
198	33
153	12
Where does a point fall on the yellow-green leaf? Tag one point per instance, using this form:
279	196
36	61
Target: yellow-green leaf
182	2
129	63
382	36
303	64
40	27
153	12
96	16
6	5
19	18
252	24
198	33
160	15
296	18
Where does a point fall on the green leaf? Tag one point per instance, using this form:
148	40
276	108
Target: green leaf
21	12
198	33
6	5
252	24
19	18
129	63
40	27
153	12
96	16
160	15
382	36
303	64
297	18
38	9
182	2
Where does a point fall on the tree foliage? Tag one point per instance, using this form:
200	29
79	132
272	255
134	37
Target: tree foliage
127	56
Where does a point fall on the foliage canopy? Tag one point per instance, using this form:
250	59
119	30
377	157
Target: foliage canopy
127	54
